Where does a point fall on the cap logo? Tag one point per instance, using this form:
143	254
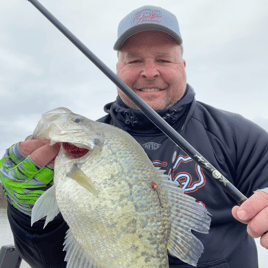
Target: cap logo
147	15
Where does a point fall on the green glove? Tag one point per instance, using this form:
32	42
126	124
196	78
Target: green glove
23	181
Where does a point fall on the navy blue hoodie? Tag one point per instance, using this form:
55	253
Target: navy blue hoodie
232	144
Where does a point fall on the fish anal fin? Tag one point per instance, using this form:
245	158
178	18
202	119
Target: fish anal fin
79	176
45	206
76	256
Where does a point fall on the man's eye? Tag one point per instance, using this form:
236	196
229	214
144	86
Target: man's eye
163	60
135	61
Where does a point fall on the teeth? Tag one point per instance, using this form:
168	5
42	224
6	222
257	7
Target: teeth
149	89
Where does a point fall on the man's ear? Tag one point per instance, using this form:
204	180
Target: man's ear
118	56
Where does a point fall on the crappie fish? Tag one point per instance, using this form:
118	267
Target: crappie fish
121	210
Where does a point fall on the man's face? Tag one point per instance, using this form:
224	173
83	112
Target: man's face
151	64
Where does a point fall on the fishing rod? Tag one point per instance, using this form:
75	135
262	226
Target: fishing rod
146	109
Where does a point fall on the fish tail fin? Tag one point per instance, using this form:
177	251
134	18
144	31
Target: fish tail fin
186	215
46	205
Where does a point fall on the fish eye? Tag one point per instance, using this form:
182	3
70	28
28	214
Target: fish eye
78	120
96	141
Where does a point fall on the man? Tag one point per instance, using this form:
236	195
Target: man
150	62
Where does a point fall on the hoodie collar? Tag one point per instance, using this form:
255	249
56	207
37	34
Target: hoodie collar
135	121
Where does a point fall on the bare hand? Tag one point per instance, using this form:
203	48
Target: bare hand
40	151
254	213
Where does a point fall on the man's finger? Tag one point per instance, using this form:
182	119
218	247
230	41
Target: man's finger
250	208
29	146
57	147
259	224
234	212
29	138
264	240
44	155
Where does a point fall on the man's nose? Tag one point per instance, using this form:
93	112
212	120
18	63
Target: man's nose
150	70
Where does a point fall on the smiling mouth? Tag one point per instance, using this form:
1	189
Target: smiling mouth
149	89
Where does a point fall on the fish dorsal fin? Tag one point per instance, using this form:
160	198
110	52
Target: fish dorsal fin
186	215
46	205
76	256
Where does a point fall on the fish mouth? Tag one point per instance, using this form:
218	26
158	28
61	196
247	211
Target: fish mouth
73	151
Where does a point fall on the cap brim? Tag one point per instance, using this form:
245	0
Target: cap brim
145	27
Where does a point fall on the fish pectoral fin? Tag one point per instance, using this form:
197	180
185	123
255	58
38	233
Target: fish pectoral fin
76	256
79	176
186	215
45	206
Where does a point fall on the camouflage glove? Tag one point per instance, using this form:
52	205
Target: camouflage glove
24	175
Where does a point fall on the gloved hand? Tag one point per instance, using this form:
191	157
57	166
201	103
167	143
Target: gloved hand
27	171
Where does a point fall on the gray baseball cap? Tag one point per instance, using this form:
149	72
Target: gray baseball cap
148	18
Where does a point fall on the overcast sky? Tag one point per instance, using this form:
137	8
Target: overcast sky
225	48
